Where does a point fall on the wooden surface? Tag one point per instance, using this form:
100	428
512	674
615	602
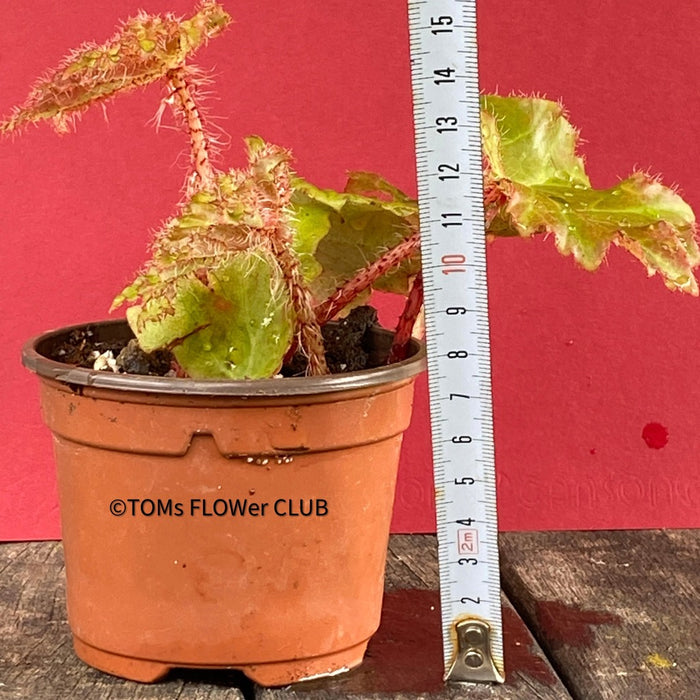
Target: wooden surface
586	616
618	612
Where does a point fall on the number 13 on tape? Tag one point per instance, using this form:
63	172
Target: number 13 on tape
450	194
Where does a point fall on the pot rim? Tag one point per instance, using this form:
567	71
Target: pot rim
34	360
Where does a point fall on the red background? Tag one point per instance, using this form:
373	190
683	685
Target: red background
581	362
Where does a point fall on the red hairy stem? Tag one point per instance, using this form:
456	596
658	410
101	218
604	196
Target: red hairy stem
404	328
366	277
203	176
273	193
494	199
309	329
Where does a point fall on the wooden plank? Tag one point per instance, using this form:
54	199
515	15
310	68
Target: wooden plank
616	612
412	562
404	659
36	654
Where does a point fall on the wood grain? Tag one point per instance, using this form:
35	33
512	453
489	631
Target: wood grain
617	612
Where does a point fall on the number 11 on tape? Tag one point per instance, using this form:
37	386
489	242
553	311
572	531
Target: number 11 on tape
444	72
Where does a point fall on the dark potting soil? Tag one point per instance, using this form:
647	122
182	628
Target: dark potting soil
82	349
346	342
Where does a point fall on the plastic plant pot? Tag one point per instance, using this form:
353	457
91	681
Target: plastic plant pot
224	524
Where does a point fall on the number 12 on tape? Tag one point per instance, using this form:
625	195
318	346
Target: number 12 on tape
444	71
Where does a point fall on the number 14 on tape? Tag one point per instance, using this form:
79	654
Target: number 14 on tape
444	71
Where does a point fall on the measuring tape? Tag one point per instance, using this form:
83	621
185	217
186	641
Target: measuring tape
450	196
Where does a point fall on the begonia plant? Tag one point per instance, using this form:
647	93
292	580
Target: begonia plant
257	259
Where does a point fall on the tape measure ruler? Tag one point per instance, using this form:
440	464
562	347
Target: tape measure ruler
444	70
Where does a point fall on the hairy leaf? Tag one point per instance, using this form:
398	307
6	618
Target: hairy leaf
345	231
235	323
214	290
536	183
144	49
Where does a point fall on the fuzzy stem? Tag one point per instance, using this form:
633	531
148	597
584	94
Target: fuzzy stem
310	336
203	176
365	277
494	199
404	328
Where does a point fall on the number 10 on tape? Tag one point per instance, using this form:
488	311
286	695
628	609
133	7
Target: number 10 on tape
444	71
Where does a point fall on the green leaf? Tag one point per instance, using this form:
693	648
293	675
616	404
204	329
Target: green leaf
237	325
344	231
535	183
530	141
214	291
311	222
144	49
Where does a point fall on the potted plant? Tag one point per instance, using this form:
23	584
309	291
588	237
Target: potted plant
214	512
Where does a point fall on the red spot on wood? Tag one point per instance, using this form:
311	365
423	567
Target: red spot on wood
655	435
405	655
520	656
570	625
